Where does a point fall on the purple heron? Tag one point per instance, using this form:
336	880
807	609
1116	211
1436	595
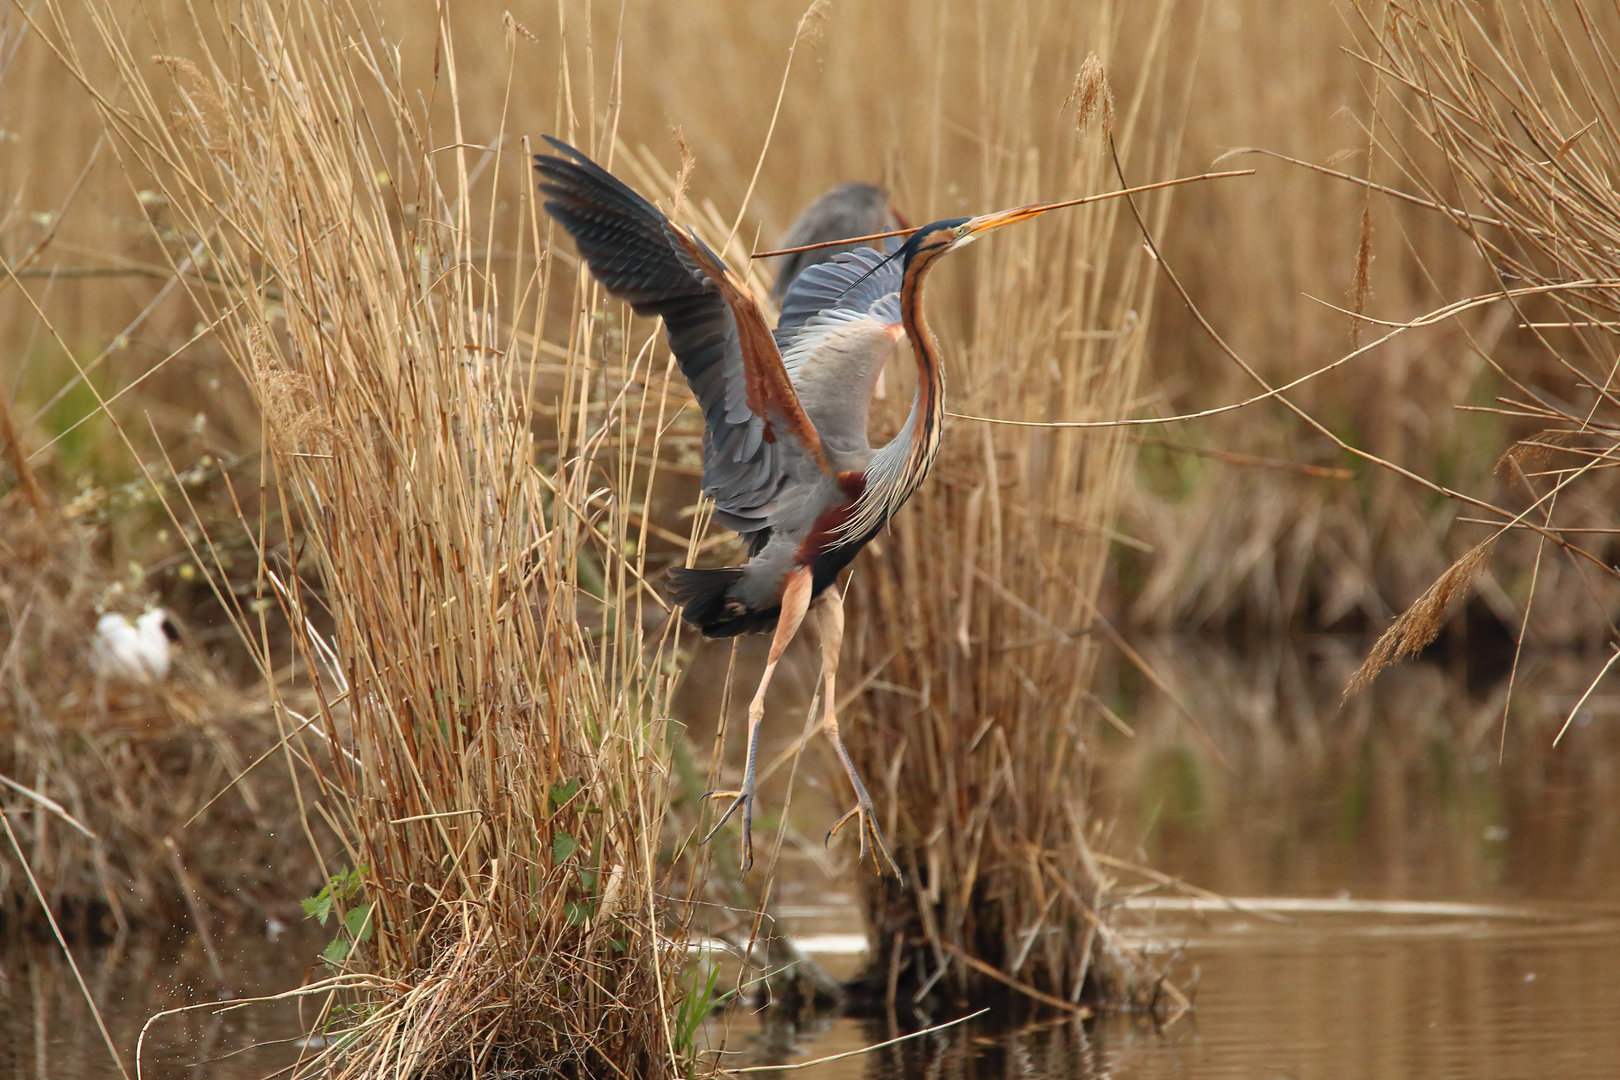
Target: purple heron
785	452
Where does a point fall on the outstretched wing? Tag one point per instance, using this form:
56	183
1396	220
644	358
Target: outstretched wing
753	422
840	321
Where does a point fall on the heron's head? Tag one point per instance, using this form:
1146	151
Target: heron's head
934	239
939	237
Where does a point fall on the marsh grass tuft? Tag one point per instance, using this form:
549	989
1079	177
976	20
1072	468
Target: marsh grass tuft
978	609
466	601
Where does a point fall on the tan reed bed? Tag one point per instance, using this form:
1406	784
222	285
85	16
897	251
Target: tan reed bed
467	612
1518	100
1315	550
974	625
1282	538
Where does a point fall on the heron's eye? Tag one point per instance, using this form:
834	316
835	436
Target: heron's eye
961	231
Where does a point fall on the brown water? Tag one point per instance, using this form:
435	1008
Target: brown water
46	1031
1471	996
1410	905
1435	897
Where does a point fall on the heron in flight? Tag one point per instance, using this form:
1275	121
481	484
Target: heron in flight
785	452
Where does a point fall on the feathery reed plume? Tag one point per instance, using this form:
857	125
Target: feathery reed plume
1361	275
1420	624
1093	96
1528	455
473	635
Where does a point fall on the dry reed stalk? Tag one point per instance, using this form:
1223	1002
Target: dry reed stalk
1273	74
475	638
1517	99
982	600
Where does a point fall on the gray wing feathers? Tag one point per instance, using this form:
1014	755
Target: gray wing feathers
849	281
628	244
835	333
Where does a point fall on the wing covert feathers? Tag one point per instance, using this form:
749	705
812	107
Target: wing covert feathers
770	391
714	327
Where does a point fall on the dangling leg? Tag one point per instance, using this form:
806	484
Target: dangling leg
795	601
830	623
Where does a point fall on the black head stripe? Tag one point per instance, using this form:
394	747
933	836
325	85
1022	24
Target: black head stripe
887	259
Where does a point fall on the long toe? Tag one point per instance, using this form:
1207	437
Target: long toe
866	824
870	820
739	801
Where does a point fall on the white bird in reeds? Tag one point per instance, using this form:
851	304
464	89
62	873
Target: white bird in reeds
139	651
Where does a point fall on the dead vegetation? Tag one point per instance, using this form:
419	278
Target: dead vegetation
103	775
1517	101
978	609
466	493
465	610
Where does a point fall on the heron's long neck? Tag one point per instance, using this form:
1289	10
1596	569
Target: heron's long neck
897	469
927	417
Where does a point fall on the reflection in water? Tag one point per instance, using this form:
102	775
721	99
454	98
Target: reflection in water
47	1033
1395	795
1314	1007
1411	790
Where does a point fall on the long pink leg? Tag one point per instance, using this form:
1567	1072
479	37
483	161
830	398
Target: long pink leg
830	623
795	602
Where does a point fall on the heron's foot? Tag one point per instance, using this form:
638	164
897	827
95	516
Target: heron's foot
740	800
866	820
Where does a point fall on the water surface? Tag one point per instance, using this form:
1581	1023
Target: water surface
1420	892
1437	894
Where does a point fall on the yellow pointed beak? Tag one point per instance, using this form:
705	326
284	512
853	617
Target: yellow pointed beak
986	222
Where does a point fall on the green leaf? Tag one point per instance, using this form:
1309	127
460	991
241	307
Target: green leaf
358	923
345	885
337	950
576	912
562	846
319	906
560	793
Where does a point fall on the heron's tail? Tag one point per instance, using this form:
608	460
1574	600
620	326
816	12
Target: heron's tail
706	603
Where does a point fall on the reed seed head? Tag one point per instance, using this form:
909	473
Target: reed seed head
1093	95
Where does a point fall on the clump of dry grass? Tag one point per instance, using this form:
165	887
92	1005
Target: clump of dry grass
978	610
1517	101
471	634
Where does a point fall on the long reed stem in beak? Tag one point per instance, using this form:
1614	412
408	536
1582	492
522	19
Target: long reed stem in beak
1032	210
